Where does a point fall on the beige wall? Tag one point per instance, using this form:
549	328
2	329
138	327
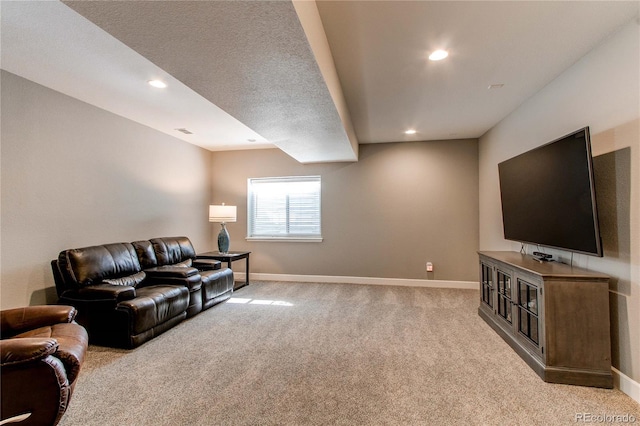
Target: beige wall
602	91
74	175
398	207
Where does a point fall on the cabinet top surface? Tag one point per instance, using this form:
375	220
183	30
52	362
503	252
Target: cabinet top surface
545	269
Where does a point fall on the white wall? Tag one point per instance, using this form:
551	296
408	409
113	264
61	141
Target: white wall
602	91
74	175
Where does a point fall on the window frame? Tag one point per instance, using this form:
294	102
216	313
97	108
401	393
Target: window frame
283	237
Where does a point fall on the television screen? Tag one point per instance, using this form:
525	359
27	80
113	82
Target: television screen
548	196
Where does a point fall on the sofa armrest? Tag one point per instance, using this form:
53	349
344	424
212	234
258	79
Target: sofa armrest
72	347
160	272
26	349
15	321
104	292
207	264
185	276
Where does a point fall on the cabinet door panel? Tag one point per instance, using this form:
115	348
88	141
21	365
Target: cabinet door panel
503	280
487	284
528	323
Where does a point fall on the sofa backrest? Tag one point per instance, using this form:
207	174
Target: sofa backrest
172	251
146	255
84	266
118	263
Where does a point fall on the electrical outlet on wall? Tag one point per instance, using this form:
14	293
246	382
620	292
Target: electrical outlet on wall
429	267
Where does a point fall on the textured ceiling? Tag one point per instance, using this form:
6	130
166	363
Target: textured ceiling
252	59
312	81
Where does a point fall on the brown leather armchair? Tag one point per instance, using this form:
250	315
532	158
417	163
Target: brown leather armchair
42	350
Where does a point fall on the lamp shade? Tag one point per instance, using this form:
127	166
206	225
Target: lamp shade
222	213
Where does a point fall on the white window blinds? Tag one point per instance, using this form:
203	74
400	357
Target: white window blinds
284	207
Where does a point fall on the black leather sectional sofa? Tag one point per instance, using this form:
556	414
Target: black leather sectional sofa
128	293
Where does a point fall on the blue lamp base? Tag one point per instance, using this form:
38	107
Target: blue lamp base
223	240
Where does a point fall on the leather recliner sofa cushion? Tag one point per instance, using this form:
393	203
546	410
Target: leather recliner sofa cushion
217	286
154	305
90	265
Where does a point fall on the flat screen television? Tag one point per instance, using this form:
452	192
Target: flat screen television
548	196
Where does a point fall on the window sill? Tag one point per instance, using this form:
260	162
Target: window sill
287	239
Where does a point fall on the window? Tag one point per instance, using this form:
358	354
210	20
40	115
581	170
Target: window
284	208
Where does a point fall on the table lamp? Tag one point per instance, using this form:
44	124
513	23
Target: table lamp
222	214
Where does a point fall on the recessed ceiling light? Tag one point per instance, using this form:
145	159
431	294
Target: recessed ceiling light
410	132
495	86
438	55
157	83
251	140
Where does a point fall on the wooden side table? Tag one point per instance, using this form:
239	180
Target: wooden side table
229	257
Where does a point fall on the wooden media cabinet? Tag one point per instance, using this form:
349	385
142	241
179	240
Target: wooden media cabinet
555	316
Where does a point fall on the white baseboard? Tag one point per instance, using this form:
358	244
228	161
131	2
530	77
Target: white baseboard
469	285
626	384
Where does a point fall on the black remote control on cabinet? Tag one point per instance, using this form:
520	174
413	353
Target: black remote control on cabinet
542	255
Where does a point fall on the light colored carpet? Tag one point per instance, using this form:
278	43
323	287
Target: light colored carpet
329	354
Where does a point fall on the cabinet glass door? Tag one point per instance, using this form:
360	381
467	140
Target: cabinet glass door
487	285
504	294
528	311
